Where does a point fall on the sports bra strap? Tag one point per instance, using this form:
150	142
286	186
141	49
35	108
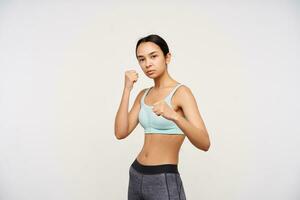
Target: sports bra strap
145	93
167	98
173	91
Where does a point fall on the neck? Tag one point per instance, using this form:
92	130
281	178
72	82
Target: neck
164	81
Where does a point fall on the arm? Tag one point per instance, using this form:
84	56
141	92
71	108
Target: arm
126	122
192	125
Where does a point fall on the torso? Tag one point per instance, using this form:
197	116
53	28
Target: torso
161	148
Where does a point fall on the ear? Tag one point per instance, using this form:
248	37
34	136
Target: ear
168	58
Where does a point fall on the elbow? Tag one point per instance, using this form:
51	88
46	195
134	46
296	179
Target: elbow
203	143
120	135
207	146
204	146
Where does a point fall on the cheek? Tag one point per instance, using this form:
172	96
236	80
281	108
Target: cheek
161	66
162	62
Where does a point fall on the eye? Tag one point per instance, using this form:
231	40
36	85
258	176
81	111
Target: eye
141	60
153	56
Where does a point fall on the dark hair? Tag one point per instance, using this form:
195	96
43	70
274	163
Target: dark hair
155	39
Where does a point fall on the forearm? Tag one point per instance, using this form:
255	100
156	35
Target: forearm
198	137
121	120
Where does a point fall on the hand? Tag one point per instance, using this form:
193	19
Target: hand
131	76
161	108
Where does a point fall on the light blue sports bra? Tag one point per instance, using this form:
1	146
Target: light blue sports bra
157	124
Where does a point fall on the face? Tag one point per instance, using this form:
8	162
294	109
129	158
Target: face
151	59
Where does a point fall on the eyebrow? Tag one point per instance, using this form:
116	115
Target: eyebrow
148	54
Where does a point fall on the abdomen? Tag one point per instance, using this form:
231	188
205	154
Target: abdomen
161	149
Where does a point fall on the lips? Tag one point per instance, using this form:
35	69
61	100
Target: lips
150	71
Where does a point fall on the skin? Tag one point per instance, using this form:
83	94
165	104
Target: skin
159	148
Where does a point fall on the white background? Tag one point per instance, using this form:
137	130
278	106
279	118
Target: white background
62	69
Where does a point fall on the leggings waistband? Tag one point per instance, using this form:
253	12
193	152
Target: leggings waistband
154	169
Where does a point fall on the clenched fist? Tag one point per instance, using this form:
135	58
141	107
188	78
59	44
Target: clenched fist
131	76
161	108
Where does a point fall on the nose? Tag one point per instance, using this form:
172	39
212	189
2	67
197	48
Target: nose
148	63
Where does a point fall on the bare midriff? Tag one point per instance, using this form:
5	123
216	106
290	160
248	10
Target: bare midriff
160	149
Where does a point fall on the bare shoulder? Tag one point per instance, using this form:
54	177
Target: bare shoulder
183	90
183	95
137	102
140	94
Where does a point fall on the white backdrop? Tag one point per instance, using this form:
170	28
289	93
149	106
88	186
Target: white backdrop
61	78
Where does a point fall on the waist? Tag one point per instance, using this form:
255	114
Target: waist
157	156
154	169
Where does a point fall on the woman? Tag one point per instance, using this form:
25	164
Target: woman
168	112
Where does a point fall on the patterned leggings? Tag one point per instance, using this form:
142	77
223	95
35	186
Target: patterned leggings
155	182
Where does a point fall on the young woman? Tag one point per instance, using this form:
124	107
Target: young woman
168	112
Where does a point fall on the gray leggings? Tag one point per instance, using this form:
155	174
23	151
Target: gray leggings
155	182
